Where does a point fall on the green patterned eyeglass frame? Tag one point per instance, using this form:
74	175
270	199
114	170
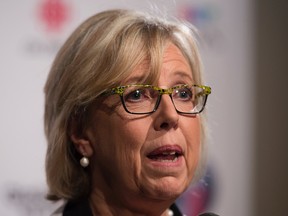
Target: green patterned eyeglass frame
206	90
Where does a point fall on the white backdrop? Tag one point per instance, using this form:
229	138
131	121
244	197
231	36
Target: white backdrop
31	33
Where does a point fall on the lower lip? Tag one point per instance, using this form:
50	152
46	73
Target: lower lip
176	163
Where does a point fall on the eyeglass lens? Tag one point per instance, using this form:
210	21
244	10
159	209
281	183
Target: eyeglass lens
145	99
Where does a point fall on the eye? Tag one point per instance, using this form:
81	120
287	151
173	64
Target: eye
183	94
137	95
134	95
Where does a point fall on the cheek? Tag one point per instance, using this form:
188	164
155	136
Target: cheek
120	139
193	138
115	150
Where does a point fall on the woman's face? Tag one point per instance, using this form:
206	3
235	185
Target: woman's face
134	155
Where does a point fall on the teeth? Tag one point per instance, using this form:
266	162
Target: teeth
169	153
168	156
165	160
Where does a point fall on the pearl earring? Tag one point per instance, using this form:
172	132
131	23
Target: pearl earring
84	161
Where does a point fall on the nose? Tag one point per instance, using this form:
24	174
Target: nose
166	116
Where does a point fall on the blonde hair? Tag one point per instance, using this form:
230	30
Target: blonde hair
98	55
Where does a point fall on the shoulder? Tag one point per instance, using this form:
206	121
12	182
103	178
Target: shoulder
59	211
75	208
175	211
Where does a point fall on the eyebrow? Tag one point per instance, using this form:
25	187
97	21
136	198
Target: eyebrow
136	79
139	79
183	74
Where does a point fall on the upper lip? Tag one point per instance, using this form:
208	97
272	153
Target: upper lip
166	149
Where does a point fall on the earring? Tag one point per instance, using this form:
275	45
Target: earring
84	161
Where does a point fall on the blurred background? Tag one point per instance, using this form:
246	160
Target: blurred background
244	48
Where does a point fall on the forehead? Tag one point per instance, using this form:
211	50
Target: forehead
175	63
173	53
172	64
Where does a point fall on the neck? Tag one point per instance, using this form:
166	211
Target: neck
111	206
120	201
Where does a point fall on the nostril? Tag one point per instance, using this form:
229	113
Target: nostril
164	125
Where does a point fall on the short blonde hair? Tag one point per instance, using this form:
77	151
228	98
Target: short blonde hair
98	55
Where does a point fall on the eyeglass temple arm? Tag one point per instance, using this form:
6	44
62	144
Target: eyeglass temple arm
207	89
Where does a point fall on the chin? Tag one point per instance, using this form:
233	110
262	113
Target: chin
167	188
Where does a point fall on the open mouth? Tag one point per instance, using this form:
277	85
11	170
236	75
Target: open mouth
166	154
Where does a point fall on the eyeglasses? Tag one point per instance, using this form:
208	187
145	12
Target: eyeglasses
145	99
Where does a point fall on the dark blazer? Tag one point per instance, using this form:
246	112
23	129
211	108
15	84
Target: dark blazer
82	208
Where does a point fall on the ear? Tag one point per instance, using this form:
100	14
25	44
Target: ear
80	140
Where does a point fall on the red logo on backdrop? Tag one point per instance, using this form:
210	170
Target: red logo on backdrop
54	14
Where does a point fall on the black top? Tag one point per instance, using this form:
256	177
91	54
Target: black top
82	208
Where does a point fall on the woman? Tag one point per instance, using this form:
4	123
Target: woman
122	119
